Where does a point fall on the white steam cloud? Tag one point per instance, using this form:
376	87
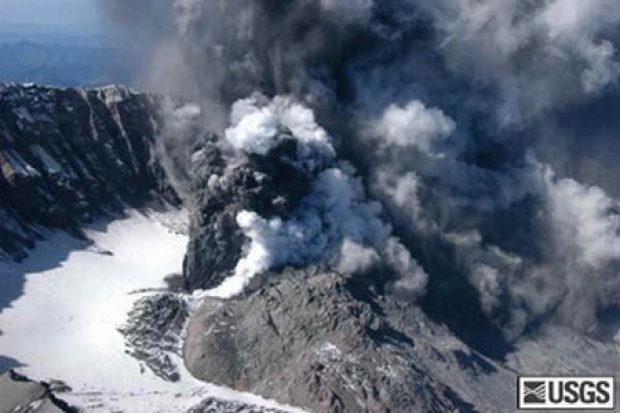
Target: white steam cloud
257	126
586	221
414	125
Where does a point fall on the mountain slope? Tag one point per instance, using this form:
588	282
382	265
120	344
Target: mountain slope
315	338
67	155
19	394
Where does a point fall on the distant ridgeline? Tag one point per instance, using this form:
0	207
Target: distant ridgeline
86	64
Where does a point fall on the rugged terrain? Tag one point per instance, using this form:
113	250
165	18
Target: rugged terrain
316	339
20	394
69	155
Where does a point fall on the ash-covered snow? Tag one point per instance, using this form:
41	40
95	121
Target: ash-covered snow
65	325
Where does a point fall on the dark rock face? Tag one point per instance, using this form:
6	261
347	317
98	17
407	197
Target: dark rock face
268	185
318	340
213	405
67	155
153	332
19	394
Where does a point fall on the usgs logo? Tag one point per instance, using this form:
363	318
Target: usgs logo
566	393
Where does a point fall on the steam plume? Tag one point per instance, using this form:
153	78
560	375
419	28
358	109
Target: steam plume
460	118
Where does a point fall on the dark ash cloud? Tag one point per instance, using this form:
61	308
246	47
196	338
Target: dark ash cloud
459	117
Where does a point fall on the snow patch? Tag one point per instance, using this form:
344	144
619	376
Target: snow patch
65	325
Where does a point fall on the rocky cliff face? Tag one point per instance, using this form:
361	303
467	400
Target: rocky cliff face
20	394
68	155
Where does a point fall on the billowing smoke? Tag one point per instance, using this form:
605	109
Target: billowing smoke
467	145
414	126
536	55
335	223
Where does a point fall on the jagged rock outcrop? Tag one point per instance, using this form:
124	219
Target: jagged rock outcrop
213	405
68	155
320	340
18	394
153	332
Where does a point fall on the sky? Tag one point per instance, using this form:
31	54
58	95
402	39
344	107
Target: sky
66	43
54	16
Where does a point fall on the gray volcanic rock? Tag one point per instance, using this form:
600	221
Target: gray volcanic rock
319	340
67	155
18	394
153	332
268	185
213	405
